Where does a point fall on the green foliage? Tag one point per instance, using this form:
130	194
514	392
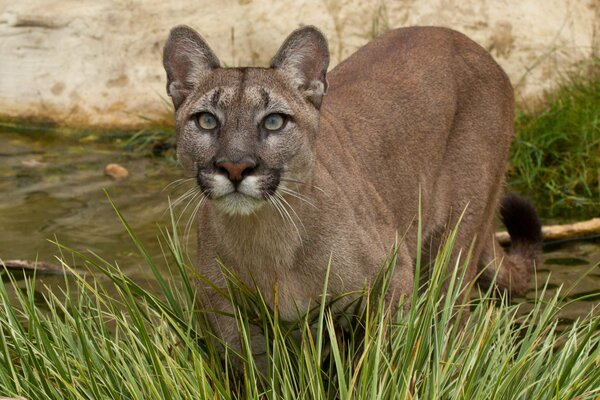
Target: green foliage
380	22
556	155
157	139
124	341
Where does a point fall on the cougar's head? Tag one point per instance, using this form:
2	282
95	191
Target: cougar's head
245	132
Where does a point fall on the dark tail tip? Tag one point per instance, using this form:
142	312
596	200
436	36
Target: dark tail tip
521	221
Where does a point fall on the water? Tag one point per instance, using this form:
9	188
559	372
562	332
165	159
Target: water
575	266
55	188
52	189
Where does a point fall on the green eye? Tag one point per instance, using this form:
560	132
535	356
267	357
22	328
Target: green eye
274	122
207	121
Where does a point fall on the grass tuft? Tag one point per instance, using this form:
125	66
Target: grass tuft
157	139
556	155
120	340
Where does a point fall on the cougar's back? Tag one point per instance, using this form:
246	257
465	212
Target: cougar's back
420	109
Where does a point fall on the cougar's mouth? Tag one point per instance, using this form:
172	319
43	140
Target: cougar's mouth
238	197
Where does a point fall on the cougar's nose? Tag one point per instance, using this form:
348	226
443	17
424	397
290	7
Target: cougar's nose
236	171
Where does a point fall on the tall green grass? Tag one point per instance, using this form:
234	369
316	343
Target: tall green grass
556	155
120	340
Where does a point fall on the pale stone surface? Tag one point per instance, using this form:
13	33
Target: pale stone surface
98	63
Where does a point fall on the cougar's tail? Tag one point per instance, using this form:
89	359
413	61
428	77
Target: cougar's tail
515	265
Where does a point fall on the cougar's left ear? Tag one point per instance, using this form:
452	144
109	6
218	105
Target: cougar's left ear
187	60
303	58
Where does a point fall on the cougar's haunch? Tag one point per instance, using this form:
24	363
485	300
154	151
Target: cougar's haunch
298	165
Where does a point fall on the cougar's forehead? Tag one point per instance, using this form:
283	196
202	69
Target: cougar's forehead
242	90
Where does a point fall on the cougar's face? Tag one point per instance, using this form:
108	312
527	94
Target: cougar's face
244	134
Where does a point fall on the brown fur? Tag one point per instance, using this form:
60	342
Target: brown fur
418	110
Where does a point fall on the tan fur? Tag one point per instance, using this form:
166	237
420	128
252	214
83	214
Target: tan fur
419	109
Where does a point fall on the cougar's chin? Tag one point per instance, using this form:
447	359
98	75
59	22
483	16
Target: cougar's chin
238	203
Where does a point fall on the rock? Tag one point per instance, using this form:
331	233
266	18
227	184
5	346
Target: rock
116	171
31	163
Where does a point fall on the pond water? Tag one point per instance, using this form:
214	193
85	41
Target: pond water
55	188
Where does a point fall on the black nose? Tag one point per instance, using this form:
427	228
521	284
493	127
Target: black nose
236	171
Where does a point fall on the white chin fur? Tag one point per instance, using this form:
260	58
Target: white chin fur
238	204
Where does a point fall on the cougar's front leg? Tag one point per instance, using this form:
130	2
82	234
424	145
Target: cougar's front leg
221	314
402	280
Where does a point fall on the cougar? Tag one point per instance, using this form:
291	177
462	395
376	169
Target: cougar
300	169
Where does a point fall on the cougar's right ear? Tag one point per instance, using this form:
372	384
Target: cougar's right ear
187	59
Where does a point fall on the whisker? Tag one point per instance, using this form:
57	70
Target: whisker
190	201
291	180
297	195
174	204
192	219
277	204
189	196
301	183
288	218
283	202
271	202
178	182
185	195
290	206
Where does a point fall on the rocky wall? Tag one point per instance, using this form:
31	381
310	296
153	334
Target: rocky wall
98	63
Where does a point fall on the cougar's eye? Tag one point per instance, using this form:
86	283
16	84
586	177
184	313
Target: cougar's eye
206	121
274	122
